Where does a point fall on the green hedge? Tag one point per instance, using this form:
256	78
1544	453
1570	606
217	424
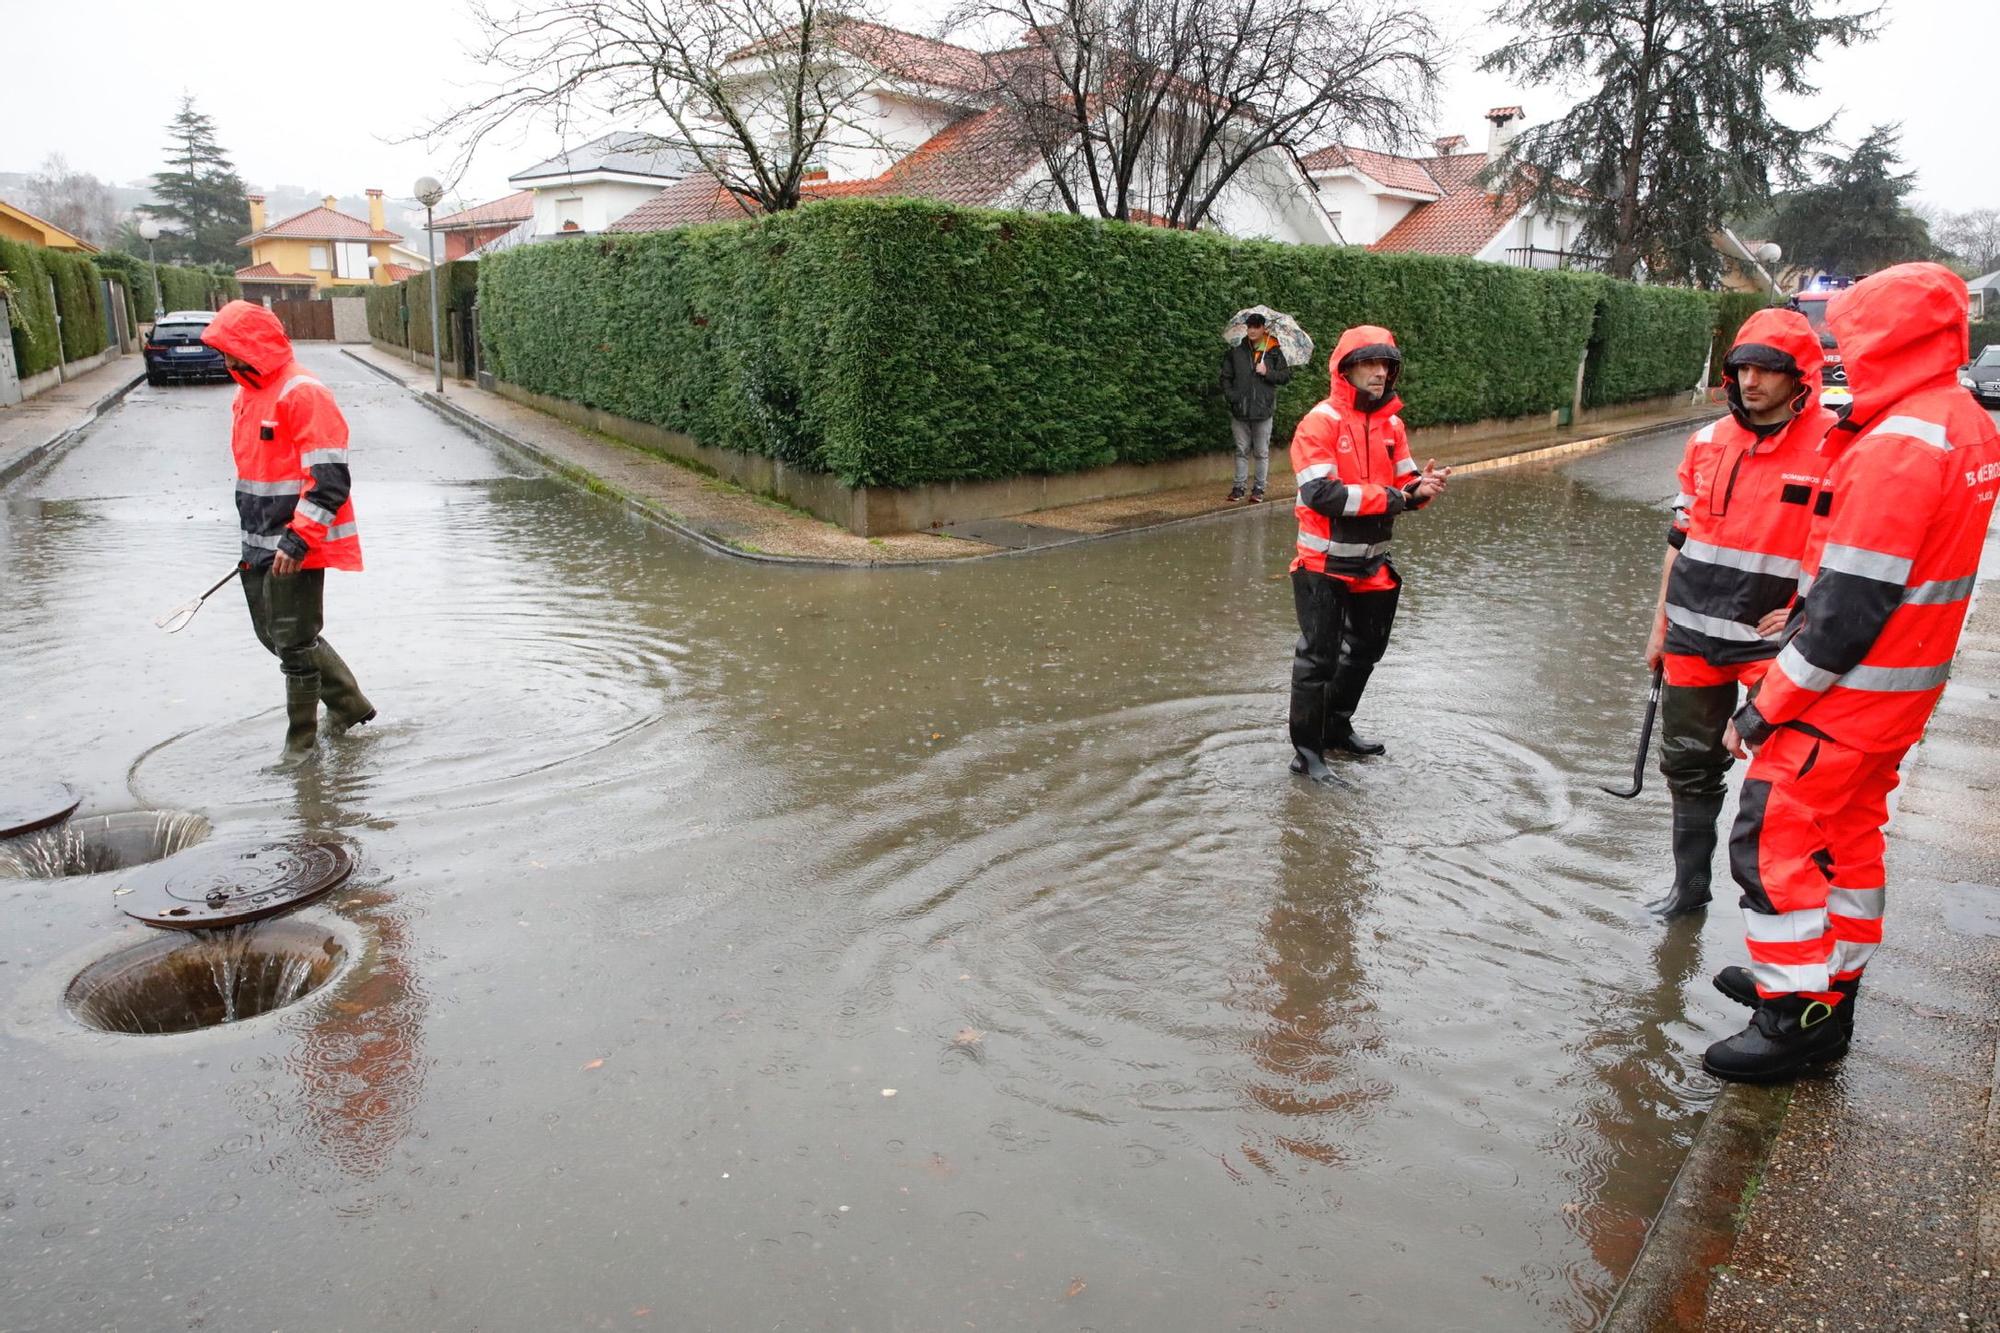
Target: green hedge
35	346
400	314
1984	332
903	342
80	301
179	288
1647	341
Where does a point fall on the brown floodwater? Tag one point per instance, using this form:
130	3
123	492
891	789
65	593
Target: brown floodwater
750	947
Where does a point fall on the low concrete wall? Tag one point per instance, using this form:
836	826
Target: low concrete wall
423	359
350	320
871	511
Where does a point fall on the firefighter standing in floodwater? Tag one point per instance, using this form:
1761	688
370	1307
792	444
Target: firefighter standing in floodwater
1748	486
1352	459
296	512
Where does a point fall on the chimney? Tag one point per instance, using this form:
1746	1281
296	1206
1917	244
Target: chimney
328	201
256	213
375	211
1448	145
1506	123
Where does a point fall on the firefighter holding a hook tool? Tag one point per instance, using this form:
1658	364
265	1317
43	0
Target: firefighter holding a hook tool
1748	486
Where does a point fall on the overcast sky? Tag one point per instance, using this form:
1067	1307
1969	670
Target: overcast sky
309	96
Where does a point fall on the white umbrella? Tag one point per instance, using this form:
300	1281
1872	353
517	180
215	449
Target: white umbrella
1293	341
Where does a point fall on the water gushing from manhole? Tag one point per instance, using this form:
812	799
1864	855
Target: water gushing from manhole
206	978
97	843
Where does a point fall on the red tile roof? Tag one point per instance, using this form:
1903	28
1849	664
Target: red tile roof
972	161
516	207
1397	173
908	56
321	223
268	273
1463	222
398	272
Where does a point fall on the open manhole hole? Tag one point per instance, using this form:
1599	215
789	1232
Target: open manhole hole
26	808
182	983
96	844
230	882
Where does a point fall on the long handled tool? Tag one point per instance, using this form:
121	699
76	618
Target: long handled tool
1645	742
176	620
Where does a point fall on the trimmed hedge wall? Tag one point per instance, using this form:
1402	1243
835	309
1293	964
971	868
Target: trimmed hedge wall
400	314
904	342
34	331
1731	309
179	288
1984	332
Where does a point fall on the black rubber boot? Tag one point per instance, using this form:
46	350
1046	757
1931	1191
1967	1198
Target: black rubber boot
346	705
1694	856
1341	739
1309	765
1787	1036
1740	986
301	719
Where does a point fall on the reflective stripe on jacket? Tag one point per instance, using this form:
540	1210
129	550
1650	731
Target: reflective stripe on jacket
1351	467
1744	509
293	487
1889	571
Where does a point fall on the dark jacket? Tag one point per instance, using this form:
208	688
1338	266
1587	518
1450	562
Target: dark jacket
1252	397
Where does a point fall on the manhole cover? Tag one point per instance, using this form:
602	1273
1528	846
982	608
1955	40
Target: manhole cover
229	884
27	808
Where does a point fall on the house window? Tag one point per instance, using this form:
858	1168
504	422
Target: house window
350	259
569	212
316	259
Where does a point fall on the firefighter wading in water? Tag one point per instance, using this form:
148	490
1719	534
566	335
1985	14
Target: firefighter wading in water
1352	458
296	515
1888	573
1748	486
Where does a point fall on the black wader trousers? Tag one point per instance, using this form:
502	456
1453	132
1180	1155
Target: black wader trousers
286	613
1692	760
1342	635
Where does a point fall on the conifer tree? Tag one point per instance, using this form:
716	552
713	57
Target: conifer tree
1676	130
199	195
1853	219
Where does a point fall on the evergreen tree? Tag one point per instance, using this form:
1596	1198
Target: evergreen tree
1853	219
1679	132
199	196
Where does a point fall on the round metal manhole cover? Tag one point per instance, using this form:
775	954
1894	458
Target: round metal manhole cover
228	884
35	806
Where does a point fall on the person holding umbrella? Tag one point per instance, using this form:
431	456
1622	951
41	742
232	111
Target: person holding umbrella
1254	364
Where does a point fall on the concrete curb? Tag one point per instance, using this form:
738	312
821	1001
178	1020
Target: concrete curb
36	453
1696	1226
597	485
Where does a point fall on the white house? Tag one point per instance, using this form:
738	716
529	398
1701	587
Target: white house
1439	203
589	187
927	122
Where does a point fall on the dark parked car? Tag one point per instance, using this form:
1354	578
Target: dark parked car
175	351
1982	377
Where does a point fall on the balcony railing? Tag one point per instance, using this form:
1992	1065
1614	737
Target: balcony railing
1534	256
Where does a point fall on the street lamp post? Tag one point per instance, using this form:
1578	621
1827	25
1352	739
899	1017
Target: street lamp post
428	193
149	231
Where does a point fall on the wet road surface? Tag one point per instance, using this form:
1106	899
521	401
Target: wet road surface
744	947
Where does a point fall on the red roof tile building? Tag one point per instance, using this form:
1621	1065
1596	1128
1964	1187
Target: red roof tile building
469	228
933	127
1442	203
315	249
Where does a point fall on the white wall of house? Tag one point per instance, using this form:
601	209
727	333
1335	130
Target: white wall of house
1365	215
889	127
1556	231
1268	199
592	204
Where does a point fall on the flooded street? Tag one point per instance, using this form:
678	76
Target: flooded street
738	947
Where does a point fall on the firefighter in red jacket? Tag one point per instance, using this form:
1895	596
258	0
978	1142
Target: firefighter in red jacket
1352	459
1887	580
1748	484
296	513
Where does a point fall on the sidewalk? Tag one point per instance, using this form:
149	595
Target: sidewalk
30	431
729	519
1869	1198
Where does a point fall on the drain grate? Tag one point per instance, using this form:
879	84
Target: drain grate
230	883
36	806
